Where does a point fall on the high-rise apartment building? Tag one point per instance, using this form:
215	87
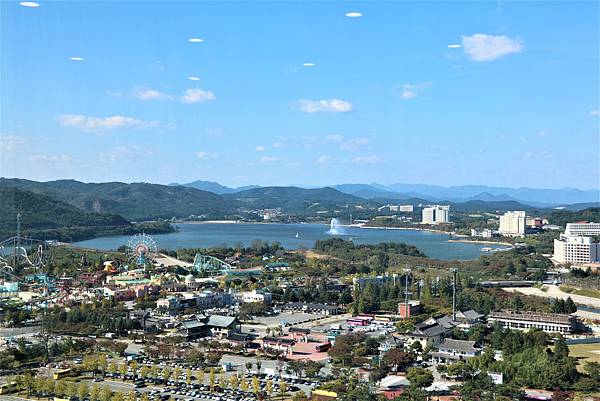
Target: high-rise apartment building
436	214
513	223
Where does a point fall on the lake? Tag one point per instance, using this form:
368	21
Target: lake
295	236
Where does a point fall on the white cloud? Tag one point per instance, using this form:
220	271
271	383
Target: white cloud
353	14
197	96
329	105
366	160
594	113
268	159
89	123
195	40
410	91
454	46
334	138
76	58
123	152
50	158
143	93
193	78
482	47
30	4
260	148
354	144
542	133
324	159
480	150
206	155
308	64
10	143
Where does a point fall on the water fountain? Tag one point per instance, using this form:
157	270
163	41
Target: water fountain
335	228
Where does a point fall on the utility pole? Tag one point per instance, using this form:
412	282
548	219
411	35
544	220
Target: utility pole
406	313
454	270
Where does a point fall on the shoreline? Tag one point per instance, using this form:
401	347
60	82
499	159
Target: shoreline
470	241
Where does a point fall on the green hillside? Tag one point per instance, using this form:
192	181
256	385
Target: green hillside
42	214
137	201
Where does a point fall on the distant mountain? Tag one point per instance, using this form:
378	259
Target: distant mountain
525	195
367	191
581	206
41	213
136	201
294	200
214	187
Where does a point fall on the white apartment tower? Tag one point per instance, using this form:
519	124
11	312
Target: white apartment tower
576	249
513	223
436	214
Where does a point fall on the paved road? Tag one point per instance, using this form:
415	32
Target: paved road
554	292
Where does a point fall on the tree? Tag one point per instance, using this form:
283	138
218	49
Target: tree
248	366
177	374
282	388
82	391
419	378
131	396
106	393
212	378
123	369
397	359
244	385
188	376
300	396
255	385
94	393
233	381
166	373
117	396
269	387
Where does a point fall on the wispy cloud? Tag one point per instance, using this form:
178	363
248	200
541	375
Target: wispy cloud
143	93
594	113
372	159
126	152
260	148
50	158
324	159
482	47
205	155
334	138
410	91
354	144
268	159
197	96
353	14
90	123
30	4
10	142
328	105
542	133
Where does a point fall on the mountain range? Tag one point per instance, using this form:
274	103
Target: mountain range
531	196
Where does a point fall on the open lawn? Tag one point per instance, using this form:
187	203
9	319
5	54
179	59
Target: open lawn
584	353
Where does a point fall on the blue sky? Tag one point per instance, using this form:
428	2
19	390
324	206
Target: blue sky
101	91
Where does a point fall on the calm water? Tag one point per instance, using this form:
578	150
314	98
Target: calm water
434	245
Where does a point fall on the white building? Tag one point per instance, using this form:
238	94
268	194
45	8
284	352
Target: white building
406	208
582	228
513	223
576	249
485	233
247	297
436	214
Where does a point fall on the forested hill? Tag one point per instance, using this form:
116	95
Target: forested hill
40	213
136	201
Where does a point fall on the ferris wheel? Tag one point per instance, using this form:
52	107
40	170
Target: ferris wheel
141	249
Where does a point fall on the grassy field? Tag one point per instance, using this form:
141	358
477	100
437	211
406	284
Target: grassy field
582	291
584	353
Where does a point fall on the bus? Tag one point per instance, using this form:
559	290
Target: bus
59	374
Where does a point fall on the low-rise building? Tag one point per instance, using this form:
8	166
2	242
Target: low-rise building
450	351
258	296
321	309
548	322
216	326
359	282
407	310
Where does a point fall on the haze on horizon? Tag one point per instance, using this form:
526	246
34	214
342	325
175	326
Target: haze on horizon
487	93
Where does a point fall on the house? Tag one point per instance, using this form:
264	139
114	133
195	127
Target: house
282	344
468	319
393	386
257	296
215	326
430	332
388	343
241	339
450	351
